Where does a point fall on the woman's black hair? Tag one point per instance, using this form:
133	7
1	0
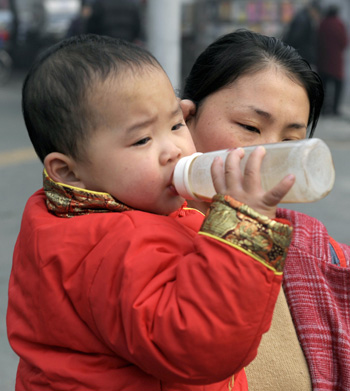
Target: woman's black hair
242	52
56	94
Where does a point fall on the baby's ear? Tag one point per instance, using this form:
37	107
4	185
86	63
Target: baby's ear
188	109
61	168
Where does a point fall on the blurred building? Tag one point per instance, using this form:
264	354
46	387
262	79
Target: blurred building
36	24
205	20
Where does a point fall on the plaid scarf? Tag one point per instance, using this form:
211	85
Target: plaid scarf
318	295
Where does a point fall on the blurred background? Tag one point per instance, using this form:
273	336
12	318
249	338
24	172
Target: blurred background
175	31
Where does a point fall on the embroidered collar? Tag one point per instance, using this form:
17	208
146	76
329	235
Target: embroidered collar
68	201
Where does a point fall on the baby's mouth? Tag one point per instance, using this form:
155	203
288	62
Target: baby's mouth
173	190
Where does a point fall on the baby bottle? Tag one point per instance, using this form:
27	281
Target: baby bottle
309	160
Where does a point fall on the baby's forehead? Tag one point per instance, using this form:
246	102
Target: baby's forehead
125	80
128	72
124	88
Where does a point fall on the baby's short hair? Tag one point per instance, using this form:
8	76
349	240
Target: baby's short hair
57	89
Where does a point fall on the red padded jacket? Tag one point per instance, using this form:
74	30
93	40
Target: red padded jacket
134	301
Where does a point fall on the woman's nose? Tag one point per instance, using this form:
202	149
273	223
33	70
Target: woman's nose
271	138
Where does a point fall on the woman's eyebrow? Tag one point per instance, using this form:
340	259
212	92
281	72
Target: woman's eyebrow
296	125
267	115
260	112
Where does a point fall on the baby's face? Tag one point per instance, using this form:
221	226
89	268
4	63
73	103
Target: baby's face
141	137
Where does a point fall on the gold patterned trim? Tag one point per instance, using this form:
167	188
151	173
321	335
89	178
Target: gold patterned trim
231	383
262	238
68	201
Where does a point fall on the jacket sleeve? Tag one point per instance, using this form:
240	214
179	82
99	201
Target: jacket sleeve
185	306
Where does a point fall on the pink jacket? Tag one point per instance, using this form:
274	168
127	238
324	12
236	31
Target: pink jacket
318	295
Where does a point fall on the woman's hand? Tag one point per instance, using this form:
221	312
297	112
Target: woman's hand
246	187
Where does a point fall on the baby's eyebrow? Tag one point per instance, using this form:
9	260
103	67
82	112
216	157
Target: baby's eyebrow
142	124
177	110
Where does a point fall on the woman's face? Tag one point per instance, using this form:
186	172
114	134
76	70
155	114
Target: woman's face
259	108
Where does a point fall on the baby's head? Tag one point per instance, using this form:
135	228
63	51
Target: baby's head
58	92
102	115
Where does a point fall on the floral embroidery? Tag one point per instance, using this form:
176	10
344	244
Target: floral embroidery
241	226
231	383
68	201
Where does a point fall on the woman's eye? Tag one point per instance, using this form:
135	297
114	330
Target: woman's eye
250	128
143	141
177	126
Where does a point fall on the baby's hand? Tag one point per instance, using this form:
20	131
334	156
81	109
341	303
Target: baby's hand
246	187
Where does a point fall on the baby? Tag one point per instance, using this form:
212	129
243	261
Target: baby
116	284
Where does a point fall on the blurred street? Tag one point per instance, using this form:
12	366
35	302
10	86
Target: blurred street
175	36
20	176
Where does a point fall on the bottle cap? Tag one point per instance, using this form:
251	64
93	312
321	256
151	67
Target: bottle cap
319	170
180	177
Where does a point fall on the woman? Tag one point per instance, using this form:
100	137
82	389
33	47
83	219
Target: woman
247	89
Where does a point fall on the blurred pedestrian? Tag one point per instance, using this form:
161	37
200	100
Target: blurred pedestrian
116	18
302	32
332	42
79	23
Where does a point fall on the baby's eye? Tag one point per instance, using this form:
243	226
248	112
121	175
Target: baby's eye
250	128
143	141
177	126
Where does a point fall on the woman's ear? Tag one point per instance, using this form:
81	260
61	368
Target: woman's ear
61	168
189	109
